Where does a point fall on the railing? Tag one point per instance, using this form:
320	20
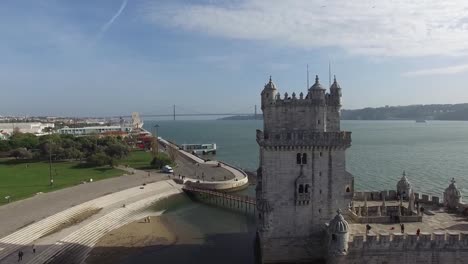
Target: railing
236	197
243	203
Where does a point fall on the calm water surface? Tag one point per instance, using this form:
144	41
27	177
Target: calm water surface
431	153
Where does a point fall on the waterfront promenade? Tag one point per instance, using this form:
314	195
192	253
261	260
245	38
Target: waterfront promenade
75	241
24	212
67	223
210	174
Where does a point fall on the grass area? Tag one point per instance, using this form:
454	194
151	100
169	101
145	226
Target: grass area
138	159
21	179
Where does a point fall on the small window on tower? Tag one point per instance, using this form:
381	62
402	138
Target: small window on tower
298	158
320	154
348	189
301	188
320	173
306	190
318	121
304	158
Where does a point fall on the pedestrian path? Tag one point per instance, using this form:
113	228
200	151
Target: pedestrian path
85	236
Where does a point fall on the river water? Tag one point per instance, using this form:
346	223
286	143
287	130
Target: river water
431	153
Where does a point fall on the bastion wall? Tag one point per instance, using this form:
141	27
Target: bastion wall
397	248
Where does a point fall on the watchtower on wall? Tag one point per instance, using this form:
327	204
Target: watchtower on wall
302	178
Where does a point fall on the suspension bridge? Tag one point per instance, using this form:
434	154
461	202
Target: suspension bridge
188	112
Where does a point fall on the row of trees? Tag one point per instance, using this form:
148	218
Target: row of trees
94	150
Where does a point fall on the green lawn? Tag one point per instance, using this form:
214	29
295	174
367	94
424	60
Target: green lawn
138	159
20	179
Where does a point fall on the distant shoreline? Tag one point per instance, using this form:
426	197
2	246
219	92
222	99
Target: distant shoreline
260	117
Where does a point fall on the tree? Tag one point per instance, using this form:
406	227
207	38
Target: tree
4	145
160	161
117	150
173	153
98	159
21	153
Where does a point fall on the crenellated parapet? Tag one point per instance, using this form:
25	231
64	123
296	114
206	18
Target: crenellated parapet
409	241
304	139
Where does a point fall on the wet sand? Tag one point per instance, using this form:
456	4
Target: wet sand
132	239
193	233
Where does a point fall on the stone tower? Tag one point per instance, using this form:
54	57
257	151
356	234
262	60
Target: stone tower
302	178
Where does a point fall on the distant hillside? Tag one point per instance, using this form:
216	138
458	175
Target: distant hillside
242	117
410	112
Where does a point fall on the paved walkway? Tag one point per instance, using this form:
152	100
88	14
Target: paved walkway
195	168
24	212
74	243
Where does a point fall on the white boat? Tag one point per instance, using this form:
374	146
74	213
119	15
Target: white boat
199	148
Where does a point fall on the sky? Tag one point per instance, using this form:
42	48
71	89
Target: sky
113	57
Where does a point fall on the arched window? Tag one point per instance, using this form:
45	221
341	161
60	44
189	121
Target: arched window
304	158
347	189
301	188
333	237
306	190
298	158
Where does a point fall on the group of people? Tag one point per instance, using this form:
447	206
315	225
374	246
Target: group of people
21	253
402	229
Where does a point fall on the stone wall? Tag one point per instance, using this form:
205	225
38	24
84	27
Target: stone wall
438	247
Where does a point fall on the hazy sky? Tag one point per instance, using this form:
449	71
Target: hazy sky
111	57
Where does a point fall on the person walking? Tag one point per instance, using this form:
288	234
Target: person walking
34	249
402	227
368	228
418	232
20	255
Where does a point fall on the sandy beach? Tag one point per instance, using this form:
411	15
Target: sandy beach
132	239
193	233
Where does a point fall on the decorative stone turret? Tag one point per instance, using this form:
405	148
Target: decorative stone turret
269	93
339	235
317	92
452	196
404	186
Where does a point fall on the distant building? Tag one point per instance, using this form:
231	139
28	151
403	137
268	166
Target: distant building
82	131
33	128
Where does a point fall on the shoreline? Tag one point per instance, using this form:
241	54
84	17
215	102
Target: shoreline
133	239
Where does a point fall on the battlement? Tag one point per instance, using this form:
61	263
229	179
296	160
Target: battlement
409	241
392	195
304	100
304	138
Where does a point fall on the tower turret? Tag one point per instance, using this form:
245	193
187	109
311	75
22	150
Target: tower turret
339	235
452	196
335	92
334	106
403	186
269	93
317	92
